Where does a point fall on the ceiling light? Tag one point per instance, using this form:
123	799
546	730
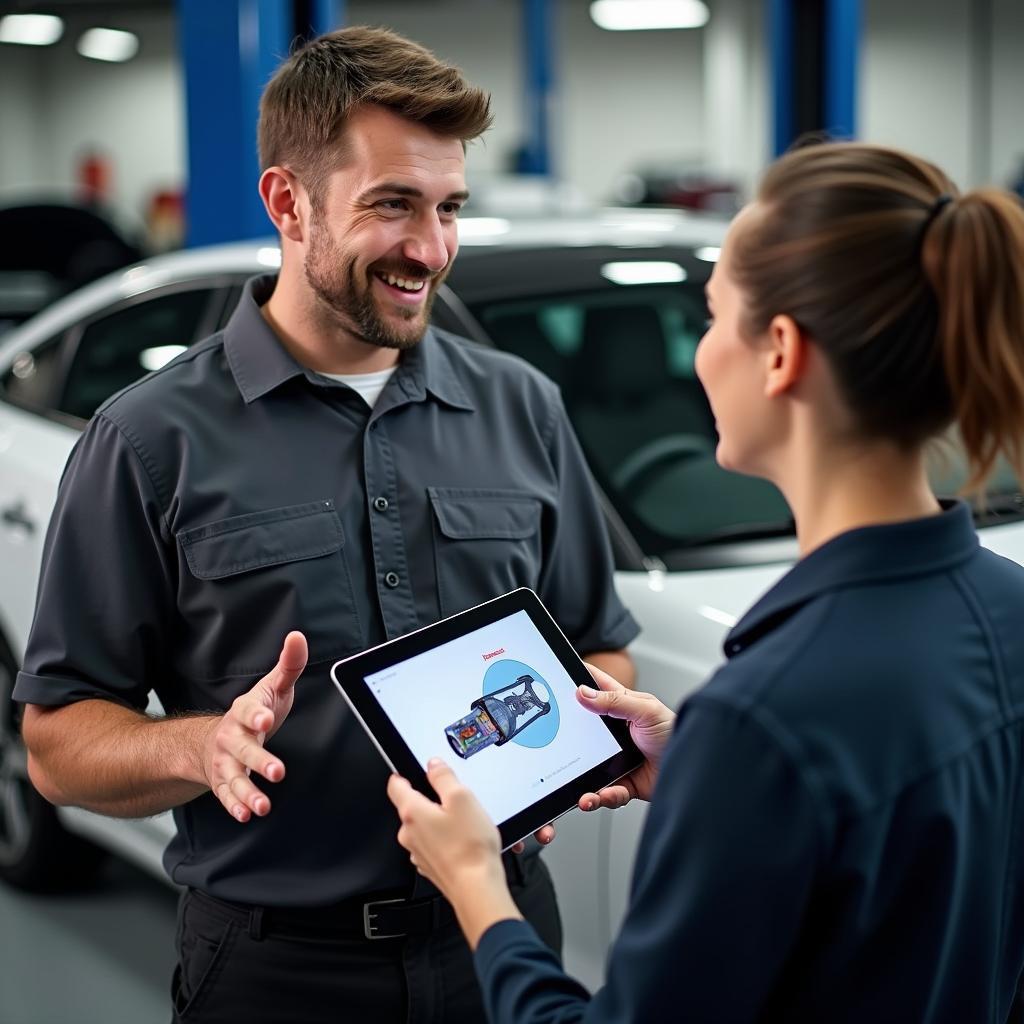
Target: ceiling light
643	272
478	227
108	44
31	29
627	15
709	253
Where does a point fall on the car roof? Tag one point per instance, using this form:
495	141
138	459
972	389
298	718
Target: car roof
478	236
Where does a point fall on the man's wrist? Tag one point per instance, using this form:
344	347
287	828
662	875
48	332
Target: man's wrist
192	734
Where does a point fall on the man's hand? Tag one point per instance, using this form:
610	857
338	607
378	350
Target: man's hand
650	725
234	744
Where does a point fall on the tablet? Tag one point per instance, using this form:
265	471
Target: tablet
491	691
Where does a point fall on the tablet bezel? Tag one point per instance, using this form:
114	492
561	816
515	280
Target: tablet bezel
349	675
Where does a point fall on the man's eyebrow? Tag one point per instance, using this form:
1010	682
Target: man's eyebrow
393	188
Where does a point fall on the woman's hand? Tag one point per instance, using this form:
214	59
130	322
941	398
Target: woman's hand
456	846
650	725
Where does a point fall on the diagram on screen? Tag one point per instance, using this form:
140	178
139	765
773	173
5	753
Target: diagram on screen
499	716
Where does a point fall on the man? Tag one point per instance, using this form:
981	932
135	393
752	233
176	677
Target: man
332	472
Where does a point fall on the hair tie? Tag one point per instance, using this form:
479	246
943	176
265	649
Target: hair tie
936	208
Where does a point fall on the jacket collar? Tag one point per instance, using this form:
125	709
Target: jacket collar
260	363
868	554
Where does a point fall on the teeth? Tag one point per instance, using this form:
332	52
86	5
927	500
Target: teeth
401	282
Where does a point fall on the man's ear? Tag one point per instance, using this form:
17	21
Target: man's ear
284	200
786	355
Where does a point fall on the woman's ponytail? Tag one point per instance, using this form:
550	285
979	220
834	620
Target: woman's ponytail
973	256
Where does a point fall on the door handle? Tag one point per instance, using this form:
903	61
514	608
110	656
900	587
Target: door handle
16	516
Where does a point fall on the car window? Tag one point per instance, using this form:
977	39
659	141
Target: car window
31	379
118	349
625	363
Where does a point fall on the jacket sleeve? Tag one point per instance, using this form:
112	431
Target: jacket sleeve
723	875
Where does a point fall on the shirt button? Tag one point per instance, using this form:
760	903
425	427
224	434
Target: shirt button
391	579
380	504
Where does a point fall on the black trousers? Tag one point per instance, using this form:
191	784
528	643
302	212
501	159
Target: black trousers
228	972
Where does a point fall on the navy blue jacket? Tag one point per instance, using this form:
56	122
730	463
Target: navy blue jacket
837	832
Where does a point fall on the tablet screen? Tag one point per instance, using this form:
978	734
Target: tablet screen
498	706
491	691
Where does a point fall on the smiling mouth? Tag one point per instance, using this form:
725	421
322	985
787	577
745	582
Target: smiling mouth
404	284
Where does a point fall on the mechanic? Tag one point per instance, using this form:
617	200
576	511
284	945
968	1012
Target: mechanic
835	829
328	472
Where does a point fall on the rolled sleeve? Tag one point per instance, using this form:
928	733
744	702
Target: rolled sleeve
106	587
577	580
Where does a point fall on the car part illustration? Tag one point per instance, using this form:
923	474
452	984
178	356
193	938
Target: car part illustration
499	716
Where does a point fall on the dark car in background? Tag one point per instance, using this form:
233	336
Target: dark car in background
50	249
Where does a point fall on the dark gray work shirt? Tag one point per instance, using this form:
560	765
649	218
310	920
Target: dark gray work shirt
234	495
837	832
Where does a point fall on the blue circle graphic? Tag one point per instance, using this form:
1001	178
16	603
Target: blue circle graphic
538	733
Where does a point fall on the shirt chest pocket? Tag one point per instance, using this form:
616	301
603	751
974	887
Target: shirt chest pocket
252	578
486	542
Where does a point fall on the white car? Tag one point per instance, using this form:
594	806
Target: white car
610	305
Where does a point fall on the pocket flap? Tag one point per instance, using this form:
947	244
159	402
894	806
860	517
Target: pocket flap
475	514
260	539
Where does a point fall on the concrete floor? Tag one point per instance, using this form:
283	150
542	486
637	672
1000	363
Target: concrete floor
102	956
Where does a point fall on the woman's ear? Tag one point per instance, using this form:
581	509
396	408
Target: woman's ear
786	355
283	198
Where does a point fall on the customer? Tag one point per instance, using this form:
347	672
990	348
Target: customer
327	464
836	830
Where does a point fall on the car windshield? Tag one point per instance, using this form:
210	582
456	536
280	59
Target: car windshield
622	351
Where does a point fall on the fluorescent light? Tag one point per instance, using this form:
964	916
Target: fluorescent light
709	253
627	15
643	272
477	227
31	29
269	256
109	44
160	355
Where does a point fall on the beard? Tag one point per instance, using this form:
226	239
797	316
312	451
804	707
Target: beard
347	296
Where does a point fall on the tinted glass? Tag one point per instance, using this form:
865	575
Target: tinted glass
624	359
118	349
625	363
32	377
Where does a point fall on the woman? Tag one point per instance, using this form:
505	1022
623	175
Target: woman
836	829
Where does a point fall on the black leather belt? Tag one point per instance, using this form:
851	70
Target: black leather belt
372	919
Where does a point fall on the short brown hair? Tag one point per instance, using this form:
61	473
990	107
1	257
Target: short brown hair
914	293
304	106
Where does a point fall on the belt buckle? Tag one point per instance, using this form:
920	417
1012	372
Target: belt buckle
370	930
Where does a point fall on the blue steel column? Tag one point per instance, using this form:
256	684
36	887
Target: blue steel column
538	32
814	52
229	50
842	52
326	15
780	42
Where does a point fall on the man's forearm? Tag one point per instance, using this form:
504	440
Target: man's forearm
115	761
618	664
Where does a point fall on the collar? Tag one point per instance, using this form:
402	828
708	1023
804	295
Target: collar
260	363
867	554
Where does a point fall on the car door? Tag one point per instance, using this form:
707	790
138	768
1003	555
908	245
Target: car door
47	394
